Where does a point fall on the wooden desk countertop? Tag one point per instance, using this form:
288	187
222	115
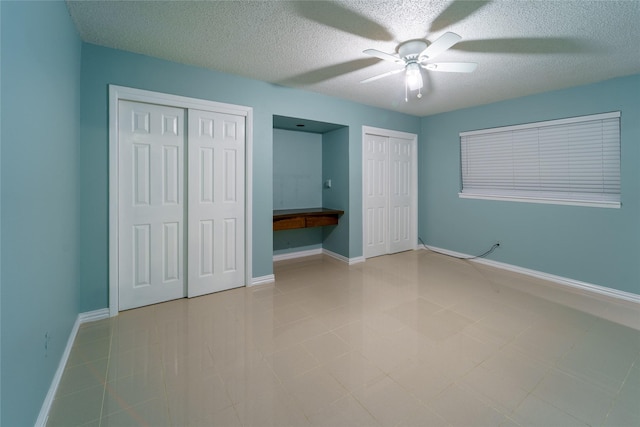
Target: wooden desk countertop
287	219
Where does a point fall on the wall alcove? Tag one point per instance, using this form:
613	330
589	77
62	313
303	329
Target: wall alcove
310	170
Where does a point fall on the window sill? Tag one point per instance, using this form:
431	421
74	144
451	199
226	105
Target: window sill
552	201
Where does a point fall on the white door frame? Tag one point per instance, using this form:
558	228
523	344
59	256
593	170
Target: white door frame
414	179
117	93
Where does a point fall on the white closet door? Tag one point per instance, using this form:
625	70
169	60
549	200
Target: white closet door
400	195
151	200
216	202
375	195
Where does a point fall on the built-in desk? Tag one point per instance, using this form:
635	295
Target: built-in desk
287	219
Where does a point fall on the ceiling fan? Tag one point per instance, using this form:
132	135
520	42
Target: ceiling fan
414	55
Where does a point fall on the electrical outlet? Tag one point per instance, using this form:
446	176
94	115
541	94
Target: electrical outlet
47	340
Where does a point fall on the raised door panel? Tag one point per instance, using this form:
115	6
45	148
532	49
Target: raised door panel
141	256
171	251
171	174
230	239
205	250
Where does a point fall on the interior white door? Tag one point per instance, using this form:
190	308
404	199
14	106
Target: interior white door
375	195
151	204
216	207
400	195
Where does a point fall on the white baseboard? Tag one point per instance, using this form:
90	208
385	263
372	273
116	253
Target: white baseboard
298	254
319	251
342	258
89	316
585	287
262	280
92	316
357	260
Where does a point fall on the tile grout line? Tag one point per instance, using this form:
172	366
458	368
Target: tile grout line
163	373
614	401
104	391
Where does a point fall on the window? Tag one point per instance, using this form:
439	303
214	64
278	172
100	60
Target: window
572	161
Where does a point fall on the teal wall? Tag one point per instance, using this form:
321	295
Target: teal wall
102	66
296	240
595	245
336	166
1	369
40	111
297	183
0	215
297	169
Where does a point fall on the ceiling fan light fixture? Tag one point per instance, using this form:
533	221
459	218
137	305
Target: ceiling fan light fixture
413	77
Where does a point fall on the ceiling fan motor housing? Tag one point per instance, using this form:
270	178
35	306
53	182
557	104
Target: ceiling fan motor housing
410	50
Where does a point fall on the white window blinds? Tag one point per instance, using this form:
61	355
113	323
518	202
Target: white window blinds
567	161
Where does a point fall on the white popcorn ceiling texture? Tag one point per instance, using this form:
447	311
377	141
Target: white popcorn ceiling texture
521	47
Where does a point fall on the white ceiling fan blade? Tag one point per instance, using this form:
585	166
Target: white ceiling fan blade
379	76
452	67
382	55
443	43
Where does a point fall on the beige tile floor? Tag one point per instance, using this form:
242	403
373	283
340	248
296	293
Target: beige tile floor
412	339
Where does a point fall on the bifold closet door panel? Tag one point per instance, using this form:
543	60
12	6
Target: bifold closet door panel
376	187
151	204
216	202
400	195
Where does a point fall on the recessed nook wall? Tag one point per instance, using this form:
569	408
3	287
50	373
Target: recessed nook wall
310	170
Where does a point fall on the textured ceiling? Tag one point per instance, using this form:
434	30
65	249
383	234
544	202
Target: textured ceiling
521	47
